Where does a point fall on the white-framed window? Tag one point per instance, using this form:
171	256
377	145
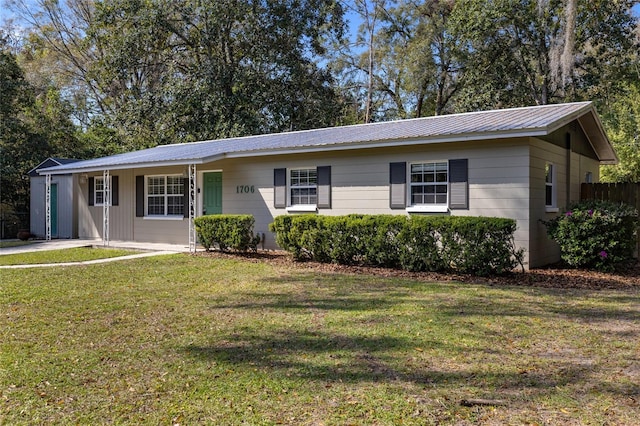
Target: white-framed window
164	195
98	191
303	187
550	186
429	184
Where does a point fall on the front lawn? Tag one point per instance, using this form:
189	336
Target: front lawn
182	339
78	254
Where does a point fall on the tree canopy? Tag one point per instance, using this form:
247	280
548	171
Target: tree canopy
86	78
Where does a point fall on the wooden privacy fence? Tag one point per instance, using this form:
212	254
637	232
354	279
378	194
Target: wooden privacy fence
621	192
626	192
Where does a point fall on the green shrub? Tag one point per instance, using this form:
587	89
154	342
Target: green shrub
479	246
475	245
595	234
419	248
227	231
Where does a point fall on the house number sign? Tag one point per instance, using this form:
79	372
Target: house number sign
245	189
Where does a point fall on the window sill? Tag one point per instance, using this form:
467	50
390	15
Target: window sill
176	217
548	209
428	209
311	208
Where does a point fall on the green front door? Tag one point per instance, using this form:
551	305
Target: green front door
212	196
54	210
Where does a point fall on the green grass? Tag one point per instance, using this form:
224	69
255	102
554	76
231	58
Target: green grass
194	340
79	254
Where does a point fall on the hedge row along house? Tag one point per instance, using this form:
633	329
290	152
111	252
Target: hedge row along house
522	163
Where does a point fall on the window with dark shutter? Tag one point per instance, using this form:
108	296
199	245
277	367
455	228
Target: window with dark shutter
114	190
97	191
459	184
398	185
324	187
91	195
139	196
279	188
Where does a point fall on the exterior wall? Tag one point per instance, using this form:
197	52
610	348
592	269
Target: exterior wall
568	180
123	223
67	213
505	177
37	207
498	181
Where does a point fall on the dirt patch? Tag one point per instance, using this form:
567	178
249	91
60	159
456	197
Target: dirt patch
550	277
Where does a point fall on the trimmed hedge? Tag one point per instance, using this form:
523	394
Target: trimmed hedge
595	234
470	245
227	231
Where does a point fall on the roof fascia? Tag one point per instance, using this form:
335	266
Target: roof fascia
36	168
588	112
125	166
604	139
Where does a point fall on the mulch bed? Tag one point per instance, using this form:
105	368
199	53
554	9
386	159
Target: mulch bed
550	277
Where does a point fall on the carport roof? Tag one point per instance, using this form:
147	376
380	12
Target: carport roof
495	124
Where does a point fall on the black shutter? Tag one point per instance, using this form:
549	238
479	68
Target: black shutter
459	184
92	194
139	196
279	188
398	185
324	187
114	190
185	186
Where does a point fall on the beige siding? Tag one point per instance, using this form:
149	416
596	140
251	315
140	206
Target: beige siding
545	251
506	179
360	181
66	212
120	216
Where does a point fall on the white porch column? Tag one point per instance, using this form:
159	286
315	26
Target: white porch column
193	183
105	207
47	206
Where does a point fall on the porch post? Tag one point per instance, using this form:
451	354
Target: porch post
192	207
47	206
105	207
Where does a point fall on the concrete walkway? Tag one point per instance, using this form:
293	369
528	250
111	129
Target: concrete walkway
148	249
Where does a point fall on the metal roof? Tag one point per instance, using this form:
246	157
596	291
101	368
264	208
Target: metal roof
495	124
50	162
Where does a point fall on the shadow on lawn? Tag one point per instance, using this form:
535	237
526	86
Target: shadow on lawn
348	359
382	358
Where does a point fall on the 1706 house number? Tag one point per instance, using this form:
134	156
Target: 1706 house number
245	189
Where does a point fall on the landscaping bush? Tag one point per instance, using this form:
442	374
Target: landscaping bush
419	247
476	245
227	231
595	234
479	246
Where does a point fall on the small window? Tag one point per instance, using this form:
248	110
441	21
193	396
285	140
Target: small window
588	177
165	195
303	184
550	185
429	184
98	191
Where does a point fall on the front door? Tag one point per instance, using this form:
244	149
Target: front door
54	210
212	195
